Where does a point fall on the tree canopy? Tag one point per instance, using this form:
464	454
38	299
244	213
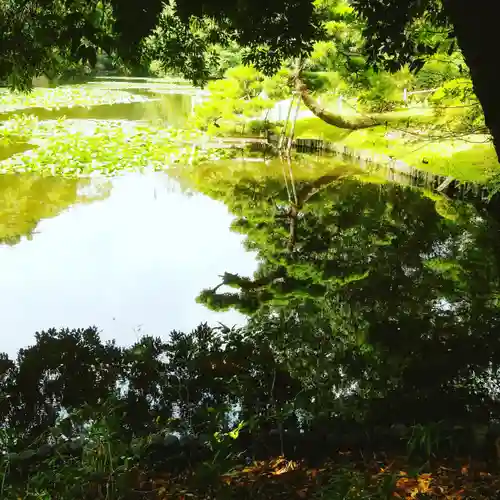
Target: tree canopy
39	37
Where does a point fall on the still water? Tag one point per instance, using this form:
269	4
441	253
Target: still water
130	263
162	104
127	254
131	253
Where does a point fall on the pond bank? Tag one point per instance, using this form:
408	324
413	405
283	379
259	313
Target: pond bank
384	166
392	170
470	158
466	158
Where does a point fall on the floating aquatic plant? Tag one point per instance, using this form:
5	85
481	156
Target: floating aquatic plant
83	147
66	97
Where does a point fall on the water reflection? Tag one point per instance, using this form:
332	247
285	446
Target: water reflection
337	232
129	262
13	146
358	280
173	109
369	279
27	199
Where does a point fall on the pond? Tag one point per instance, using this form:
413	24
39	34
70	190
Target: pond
145	102
130	253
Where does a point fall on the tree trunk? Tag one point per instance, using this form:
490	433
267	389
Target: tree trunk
351	123
477	30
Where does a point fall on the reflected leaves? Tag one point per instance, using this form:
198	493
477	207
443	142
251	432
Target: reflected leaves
26	199
404	298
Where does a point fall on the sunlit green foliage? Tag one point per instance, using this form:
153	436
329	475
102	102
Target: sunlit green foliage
70	148
456	102
439	69
464	157
384	91
222	58
237	99
165	44
66	96
279	86
406	33
188	37
342	51
343	57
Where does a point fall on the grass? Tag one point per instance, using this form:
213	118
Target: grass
407	137
465	158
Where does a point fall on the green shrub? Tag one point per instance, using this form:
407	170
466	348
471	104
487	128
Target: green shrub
279	86
323	81
235	99
384	91
260	126
456	104
222	59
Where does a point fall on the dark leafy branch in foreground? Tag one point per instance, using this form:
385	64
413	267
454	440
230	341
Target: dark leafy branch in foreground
183	413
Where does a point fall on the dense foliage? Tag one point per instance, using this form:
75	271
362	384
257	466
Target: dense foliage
62	32
373	316
237	98
384	279
200	40
390	31
112	427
